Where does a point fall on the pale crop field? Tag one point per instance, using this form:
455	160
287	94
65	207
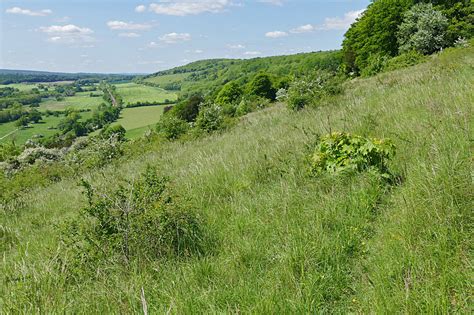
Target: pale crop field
136	120
82	100
133	93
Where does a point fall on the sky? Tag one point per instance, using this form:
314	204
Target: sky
128	36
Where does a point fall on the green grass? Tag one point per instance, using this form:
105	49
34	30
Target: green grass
21	86
21	135
133	93
137	120
286	243
81	100
167	79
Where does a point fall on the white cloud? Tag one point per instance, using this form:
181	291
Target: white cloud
140	9
127	26
273	2
17	10
198	51
67	33
252	53
129	35
303	29
276	34
152	44
173	38
341	23
236	46
187	7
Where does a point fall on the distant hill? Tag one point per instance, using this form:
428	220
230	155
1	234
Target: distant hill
207	76
9	76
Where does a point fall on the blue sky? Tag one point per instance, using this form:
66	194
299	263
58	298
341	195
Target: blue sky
118	36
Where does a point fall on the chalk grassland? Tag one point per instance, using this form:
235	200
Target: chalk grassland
133	93
139	119
82	100
286	243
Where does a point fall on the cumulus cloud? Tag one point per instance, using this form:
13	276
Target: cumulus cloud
129	35
18	10
173	38
187	7
67	33
252	53
341	23
276	34
236	46
303	29
127	26
140	9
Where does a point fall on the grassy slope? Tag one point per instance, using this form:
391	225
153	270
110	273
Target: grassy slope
132	93
288	243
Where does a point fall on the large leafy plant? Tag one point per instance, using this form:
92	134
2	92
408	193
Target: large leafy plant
339	152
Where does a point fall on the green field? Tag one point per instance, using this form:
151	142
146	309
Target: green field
137	120
20	86
8	131
81	100
133	93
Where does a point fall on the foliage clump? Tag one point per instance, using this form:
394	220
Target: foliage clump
423	30
340	152
171	127
139	221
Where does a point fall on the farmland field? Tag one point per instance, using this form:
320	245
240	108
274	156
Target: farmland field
136	120
81	100
20	86
8	131
133	93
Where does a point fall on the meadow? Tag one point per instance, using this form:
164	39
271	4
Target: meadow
163	80
9	132
133	93
82	100
283	241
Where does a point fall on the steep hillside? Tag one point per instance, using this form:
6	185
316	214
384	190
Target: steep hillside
279	240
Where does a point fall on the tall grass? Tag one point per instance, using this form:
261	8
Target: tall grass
287	242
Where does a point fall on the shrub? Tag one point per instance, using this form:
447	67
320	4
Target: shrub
423	29
171	127
339	152
188	109
407	59
375	64
261	85
229	94
308	90
117	131
210	118
137	221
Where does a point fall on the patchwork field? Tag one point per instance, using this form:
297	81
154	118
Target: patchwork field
81	100
133	93
137	120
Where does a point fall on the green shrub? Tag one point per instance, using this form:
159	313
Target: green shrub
188	109
261	85
250	103
210	118
171	127
117	131
229	94
309	89
375	64
407	59
138	221
339	152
